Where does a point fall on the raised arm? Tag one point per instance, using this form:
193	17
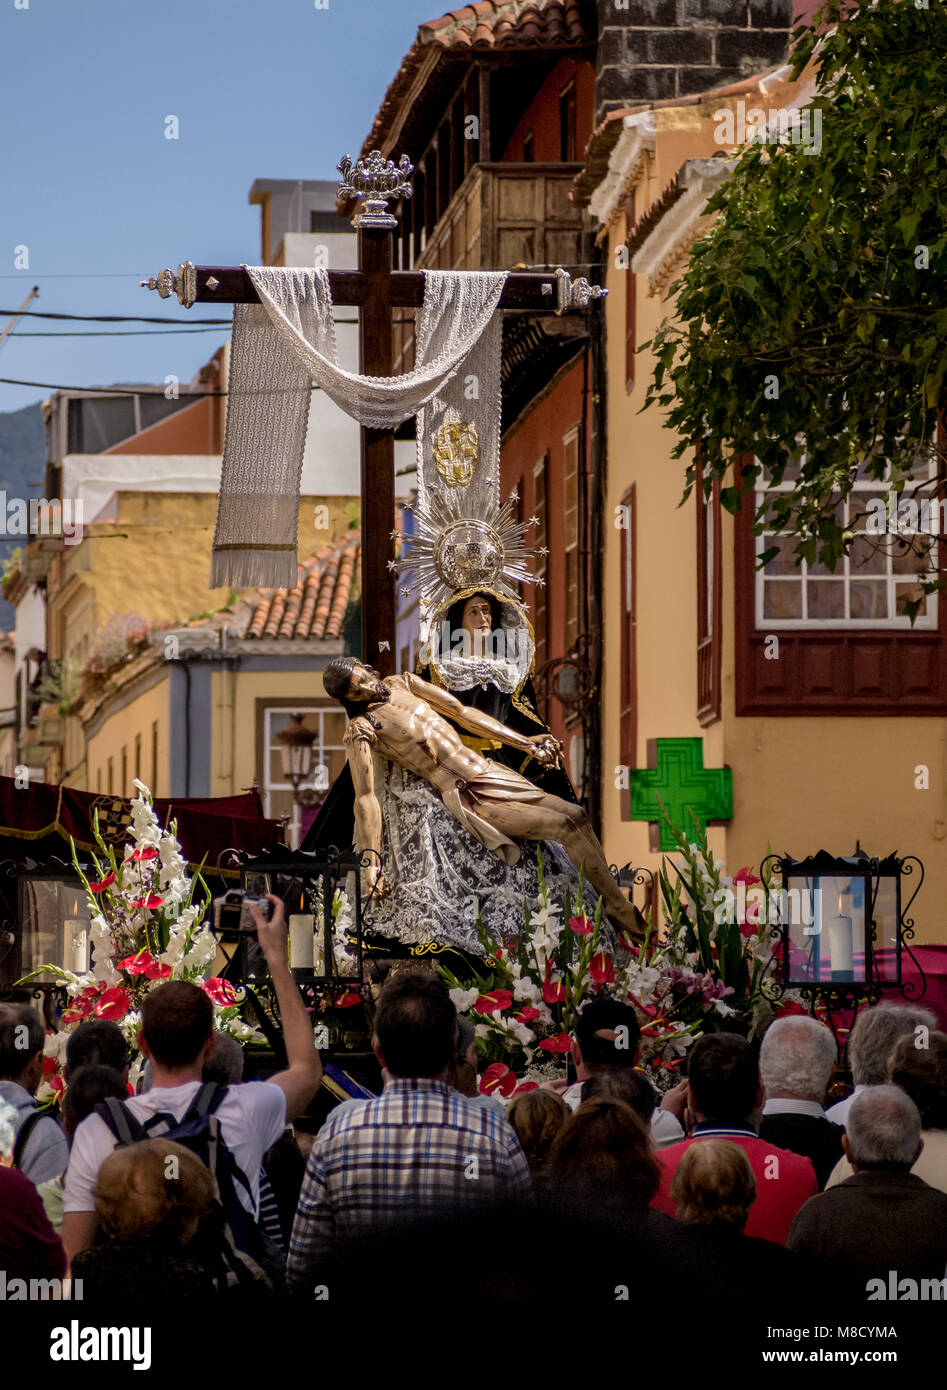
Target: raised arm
367	809
543	747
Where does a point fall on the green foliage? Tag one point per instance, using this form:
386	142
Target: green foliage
825	272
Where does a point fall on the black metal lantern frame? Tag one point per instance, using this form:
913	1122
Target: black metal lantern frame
845	958
19	882
313	879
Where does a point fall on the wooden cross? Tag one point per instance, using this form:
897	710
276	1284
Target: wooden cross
375	289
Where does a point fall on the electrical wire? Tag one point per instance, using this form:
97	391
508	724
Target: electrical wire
105	390
115	333
107	318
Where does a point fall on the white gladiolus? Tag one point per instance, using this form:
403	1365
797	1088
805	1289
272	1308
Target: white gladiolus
463	999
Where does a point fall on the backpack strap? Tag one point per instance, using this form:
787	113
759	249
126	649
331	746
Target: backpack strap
23	1134
120	1121
205	1103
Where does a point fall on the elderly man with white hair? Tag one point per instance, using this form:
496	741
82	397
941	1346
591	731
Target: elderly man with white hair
796	1062
870	1043
883	1222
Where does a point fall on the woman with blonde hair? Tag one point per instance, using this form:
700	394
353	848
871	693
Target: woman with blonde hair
538	1117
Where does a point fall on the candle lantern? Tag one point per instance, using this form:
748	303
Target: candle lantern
840	926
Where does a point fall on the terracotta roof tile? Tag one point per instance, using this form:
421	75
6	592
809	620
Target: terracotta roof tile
605	136
488	24
316	607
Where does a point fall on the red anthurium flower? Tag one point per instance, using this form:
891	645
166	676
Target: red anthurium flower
746	876
601	969
138	964
114	1004
152	901
525	1086
57	1084
554	991
50	1065
106	882
494	1002
157	971
348	1000
790	1007
581	925
560	1043
219	991
139	854
497	1077
526	1014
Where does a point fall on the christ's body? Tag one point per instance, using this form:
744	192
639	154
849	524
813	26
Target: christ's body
405	719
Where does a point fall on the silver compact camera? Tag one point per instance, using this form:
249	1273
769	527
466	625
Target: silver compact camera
231	912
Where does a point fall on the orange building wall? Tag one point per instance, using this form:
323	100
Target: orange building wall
542	432
193	430
542	115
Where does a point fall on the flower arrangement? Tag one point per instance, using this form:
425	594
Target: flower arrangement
148	925
704	966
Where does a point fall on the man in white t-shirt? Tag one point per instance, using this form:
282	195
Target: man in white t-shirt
177	1036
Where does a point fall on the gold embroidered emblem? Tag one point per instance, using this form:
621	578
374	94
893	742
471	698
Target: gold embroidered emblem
456	452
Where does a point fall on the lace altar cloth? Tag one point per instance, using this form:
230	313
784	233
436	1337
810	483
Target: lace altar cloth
439	873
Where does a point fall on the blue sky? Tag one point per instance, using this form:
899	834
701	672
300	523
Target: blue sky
90	184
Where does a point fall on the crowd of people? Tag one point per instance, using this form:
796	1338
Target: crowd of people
201	1184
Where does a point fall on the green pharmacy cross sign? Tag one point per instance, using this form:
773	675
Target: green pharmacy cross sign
676	775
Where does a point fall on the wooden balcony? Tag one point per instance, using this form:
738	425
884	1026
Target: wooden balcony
502	215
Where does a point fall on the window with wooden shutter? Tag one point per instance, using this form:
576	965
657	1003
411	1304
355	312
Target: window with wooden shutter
708	604
812	642
628	723
540	533
631	296
570	478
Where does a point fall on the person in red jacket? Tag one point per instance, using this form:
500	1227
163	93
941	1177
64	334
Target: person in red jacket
723	1090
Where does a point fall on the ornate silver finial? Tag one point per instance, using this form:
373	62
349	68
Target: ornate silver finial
376	180
575	294
183	284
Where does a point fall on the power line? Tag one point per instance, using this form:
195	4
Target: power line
106	390
109	318
116	333
89	275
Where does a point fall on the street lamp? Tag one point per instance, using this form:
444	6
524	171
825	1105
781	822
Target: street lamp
296	743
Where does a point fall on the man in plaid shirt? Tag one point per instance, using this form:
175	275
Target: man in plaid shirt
418	1148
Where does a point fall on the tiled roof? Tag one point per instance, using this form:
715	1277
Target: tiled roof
606	135
483	27
316	607
509	23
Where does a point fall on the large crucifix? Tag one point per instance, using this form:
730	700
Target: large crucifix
375	289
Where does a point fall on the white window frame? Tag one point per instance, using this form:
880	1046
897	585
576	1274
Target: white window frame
270	744
868	488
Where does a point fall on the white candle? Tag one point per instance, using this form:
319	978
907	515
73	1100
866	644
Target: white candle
301	953
76	942
840	945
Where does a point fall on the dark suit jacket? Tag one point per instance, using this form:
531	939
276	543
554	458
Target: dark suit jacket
816	1138
872	1223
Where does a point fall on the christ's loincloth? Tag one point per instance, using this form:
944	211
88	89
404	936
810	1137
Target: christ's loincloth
470	802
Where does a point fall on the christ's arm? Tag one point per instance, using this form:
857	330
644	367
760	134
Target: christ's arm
543	747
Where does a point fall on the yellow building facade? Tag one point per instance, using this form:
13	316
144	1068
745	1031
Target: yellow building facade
687	653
